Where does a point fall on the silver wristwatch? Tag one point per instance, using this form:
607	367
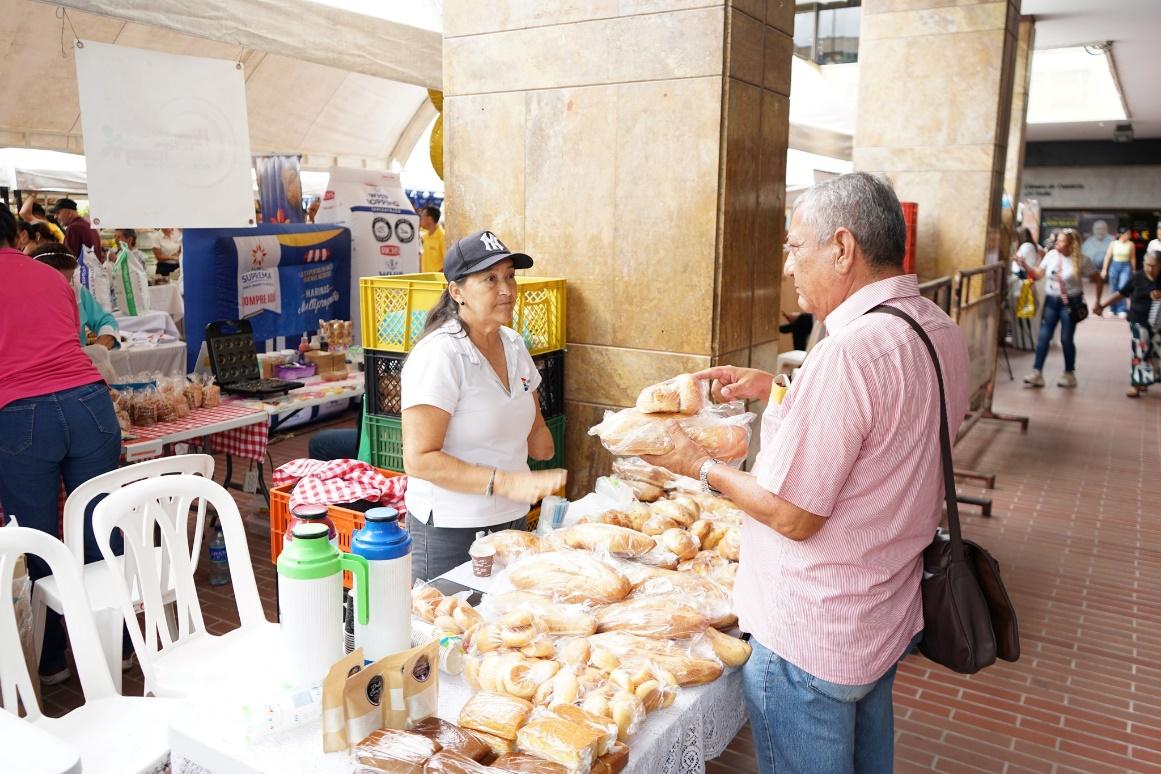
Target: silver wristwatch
704	476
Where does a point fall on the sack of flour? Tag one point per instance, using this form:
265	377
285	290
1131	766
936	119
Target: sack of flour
94	276
130	282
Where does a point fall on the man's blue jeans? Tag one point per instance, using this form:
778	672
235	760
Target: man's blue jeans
1119	274
803	724
71	435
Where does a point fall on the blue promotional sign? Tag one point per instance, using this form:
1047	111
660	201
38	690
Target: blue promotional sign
279	188
284	279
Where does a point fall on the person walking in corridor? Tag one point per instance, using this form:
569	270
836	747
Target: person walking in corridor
1120	263
1144	293
1063	267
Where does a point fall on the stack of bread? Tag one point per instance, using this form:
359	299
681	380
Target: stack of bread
642	430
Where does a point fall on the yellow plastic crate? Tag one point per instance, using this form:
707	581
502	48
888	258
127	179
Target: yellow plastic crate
394	310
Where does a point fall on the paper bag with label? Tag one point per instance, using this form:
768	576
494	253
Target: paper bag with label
334	715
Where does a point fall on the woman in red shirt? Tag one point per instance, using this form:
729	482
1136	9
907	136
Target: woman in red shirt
56	416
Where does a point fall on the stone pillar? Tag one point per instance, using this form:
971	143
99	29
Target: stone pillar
636	148
935	97
1014	163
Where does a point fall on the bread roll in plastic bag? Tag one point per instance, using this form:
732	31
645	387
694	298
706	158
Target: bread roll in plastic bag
449	762
496	714
452	738
392	750
561	741
630	432
680	395
651	617
569	576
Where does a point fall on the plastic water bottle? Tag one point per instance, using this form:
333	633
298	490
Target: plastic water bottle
219	566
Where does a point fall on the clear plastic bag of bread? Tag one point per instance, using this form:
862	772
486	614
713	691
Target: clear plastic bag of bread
723	430
689	662
510	545
648	482
569	576
680	395
664	617
610	539
496	714
559	619
449	615
388	749
664	588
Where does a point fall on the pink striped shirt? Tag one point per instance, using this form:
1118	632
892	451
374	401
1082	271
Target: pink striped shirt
855	440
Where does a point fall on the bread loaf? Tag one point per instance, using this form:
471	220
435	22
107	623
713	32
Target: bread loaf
614	762
602	725
681	394
675	511
561	741
646	618
655	525
617	541
523	763
730	546
646	493
660	556
570	576
630	432
497	744
395	752
496	714
679	542
449	762
451	737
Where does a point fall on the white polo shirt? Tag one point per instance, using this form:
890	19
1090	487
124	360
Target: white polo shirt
489	425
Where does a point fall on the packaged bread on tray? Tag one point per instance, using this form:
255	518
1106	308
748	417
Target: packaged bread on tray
452	738
557	618
395	752
555	739
680	395
569	576
648	618
614	540
496	714
630	432
449	762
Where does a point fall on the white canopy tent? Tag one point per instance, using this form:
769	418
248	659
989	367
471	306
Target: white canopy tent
340	87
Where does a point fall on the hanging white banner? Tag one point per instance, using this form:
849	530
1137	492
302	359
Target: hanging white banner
258	286
179	153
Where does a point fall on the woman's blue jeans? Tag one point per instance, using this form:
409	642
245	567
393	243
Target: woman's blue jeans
71	435
1056	310
1119	273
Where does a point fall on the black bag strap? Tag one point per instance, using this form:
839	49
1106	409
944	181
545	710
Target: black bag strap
949	495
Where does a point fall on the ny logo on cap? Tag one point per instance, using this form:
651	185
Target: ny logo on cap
492	243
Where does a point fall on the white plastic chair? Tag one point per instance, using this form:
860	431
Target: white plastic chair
112	733
98	578
193	661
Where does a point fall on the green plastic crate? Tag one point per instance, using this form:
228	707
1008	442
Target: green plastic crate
385	439
556	426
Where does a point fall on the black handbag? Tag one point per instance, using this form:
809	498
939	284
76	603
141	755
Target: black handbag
968	619
1076	308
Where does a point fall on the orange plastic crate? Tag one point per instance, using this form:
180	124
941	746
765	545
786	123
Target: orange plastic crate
346	521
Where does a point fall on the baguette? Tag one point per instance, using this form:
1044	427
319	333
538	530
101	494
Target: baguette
618	541
646	618
570	576
732	651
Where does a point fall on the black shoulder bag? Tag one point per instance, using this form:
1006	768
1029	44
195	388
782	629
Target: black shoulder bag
968	620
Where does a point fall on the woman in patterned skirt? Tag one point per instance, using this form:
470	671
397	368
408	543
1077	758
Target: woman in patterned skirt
1143	289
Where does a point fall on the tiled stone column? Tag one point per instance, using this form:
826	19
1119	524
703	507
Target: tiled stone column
1014	163
636	148
935	97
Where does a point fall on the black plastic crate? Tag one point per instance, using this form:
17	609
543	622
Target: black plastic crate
383	372
551	368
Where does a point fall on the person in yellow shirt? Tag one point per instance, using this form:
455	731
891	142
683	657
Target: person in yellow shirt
32	211
433	239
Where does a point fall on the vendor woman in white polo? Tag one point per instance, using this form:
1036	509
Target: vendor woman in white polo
471	413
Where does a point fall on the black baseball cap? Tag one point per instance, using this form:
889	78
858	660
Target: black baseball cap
64	204
477	252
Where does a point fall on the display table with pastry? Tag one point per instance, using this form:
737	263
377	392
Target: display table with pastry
599	647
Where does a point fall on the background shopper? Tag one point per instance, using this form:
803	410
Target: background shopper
1120	263
56	417
1143	290
1063	268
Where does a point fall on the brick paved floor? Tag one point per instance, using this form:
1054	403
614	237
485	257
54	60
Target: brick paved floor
1077	531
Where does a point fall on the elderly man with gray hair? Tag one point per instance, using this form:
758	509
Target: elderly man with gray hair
846	491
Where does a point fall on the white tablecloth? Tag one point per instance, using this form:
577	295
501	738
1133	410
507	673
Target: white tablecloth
167	298
169	359
149	321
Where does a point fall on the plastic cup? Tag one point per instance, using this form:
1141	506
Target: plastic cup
482	559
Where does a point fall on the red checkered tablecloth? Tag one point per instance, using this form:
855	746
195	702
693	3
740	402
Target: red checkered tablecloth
248	441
